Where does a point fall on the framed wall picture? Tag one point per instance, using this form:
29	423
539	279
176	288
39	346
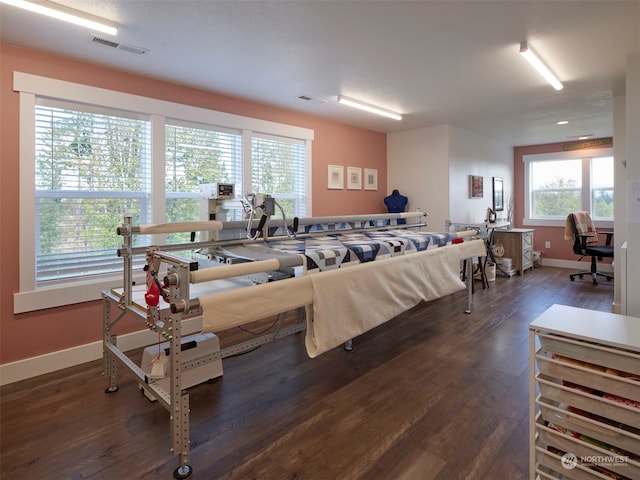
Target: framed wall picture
476	187
335	177
498	194
370	179
354	178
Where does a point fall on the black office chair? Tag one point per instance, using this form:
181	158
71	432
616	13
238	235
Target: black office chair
582	247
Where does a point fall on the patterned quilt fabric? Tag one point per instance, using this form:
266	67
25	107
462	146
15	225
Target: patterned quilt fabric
335	250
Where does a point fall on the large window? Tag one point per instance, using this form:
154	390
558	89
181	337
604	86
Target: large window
91	169
558	184
90	156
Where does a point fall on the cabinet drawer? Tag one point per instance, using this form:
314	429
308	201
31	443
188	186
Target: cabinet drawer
588	402
609	460
554	413
527	240
584	375
553	462
591	353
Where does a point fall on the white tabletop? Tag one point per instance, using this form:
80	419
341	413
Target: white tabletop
611	329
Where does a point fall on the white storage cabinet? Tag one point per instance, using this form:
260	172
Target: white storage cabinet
584	395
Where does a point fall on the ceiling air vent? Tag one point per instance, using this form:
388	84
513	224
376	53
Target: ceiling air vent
119	46
310	99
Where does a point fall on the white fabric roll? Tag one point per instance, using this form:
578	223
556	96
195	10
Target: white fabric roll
234	270
178	227
225	310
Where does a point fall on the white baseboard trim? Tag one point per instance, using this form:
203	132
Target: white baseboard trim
51	362
575	265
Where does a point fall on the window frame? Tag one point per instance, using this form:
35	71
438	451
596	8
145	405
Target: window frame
31	87
585	190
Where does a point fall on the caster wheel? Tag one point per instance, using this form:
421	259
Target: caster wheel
111	390
183	473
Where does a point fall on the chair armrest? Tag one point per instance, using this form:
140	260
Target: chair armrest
609	237
584	238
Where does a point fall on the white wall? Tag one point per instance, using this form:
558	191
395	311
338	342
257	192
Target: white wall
632	283
473	154
417	165
620	207
432	166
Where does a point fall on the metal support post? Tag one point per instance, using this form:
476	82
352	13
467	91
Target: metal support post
109	367
469	280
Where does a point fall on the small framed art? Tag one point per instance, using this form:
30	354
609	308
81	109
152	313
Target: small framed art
335	177
354	178
498	194
476	188
370	179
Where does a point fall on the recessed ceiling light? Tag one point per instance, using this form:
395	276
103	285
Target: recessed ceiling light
562	122
582	137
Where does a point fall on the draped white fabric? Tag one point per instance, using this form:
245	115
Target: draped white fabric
347	301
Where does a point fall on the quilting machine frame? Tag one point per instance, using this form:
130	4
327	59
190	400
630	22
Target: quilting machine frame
182	304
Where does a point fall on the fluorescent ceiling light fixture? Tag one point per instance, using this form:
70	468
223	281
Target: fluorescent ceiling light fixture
66	14
533	59
368	108
563	122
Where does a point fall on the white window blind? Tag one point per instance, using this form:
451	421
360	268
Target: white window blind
196	156
279	168
91	170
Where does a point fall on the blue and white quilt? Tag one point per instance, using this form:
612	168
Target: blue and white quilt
335	250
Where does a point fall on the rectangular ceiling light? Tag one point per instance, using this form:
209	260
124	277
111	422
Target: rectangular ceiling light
533	59
54	10
368	108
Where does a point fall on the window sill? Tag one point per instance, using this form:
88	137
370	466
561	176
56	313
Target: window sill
66	294
534	222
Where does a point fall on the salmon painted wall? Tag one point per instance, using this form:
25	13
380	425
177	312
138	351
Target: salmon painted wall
36	333
560	248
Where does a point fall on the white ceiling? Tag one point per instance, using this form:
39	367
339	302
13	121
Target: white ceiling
436	62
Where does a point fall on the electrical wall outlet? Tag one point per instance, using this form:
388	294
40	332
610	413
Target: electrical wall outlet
547	244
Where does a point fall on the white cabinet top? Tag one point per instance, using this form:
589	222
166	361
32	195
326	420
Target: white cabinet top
611	329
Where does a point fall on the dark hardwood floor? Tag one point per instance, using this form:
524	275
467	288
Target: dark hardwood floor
432	394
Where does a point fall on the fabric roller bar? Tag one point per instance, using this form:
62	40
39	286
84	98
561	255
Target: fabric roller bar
178	227
465	233
360	218
247	268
